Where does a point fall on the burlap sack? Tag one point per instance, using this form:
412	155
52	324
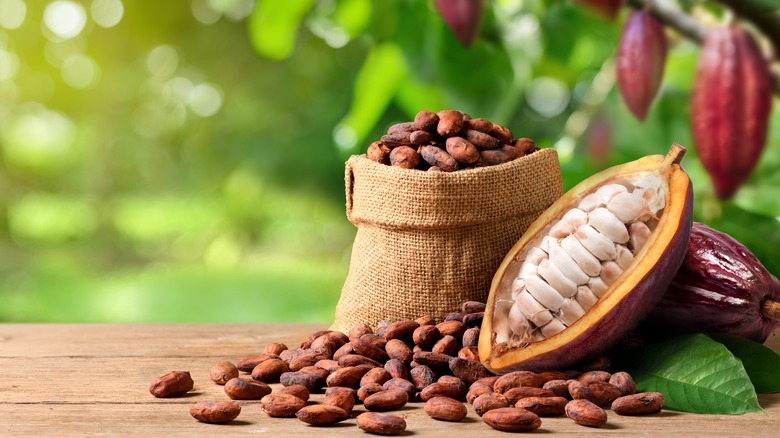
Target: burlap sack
427	241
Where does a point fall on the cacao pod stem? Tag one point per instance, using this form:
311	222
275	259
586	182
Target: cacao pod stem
770	309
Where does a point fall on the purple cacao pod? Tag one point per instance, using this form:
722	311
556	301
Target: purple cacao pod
641	59
721	287
730	107
462	17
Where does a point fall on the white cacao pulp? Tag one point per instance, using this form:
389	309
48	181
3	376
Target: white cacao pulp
570	267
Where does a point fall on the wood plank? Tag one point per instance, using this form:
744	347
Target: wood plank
77	380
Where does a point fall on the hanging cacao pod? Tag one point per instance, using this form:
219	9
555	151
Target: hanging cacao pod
721	287
640	61
462	17
607	9
730	107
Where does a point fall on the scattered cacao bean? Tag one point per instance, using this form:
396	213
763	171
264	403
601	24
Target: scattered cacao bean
222	372
281	405
624	382
380	424
586	413
515	379
247	364
368	389
215	411
477	389
599	392
397	369
387	400
445	409
359	330
404	157
348	377
421	377
521	392
558	387
448	345
512	419
269	370
638	404
401	385
171	384
321	415
426	336
489	401
246	389
299	391
468	370
398	349
375	375
544	406
341	397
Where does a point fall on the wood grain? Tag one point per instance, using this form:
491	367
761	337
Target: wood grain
78	380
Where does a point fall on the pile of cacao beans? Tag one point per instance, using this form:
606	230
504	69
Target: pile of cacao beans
409	361
447	141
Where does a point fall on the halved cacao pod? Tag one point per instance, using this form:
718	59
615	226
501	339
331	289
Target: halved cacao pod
617	238
721	287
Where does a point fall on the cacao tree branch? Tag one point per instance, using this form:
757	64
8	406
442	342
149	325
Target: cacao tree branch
765	20
694	31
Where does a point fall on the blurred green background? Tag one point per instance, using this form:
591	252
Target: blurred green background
183	160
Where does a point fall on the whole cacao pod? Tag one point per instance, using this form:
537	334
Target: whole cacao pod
640	61
462	17
720	287
730	107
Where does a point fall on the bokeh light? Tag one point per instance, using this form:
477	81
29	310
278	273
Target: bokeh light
547	96
80	71
205	99
12	13
107	13
66	19
162	61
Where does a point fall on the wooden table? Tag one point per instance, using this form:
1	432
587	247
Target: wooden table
85	380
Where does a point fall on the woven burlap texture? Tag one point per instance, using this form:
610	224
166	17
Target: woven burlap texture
428	241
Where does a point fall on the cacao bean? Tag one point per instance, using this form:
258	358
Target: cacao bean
480	139
469	370
470	353
401	128
439	158
171	384
479	124
544	406
520	392
512	419
524	146
454	328
448	345
348	377
426	336
397	369
299	391
445	408
367	390
375	375
454	316
401	385
401	330
598	392
269	370
306	344
343	351
310	381
222	372
215	411
387	400
586	413
321	415
351	360
359	330
638	404
473	319
421	137
380	424
624	382
275	348
461	150
246	389
281	405
378	152
247	364
515	379
433	360
489	401
341	397
502	133
421	377
450	123
477	389
425	320
328	365
559	387
426	120
404	157
594	376
398	349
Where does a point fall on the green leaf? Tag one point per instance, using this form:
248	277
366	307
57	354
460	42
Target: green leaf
761	362
377	82
273	26
695	374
